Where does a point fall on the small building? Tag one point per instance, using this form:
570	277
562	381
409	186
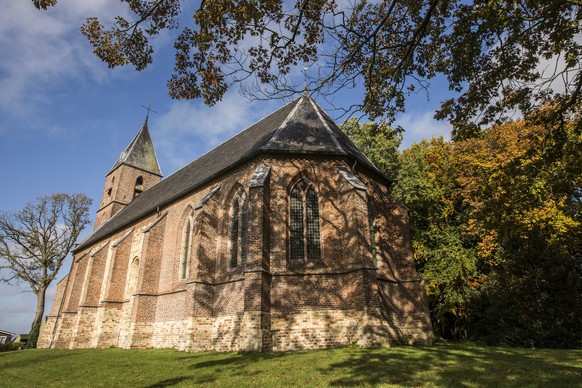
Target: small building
283	237
7	337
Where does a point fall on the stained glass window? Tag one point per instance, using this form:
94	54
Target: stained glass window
304	223
297	241
238	230
313	249
185	249
234	234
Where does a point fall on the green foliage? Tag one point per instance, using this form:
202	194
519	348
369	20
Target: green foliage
426	184
9	347
535	301
497	230
497	56
378	141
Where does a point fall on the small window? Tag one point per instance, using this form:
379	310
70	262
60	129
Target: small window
238	229
138	186
109	193
304	223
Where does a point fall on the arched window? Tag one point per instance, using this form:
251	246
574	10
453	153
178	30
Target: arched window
372	224
133	275
185	254
138	189
238	229
304	223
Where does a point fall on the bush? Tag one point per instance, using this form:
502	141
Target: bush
10	346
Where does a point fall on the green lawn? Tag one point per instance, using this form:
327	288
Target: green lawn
449	365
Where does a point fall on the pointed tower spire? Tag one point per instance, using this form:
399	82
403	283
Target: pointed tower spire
136	170
140	152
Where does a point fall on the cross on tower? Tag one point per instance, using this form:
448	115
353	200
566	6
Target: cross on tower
149	108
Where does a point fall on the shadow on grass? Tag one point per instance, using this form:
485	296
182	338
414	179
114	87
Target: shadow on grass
449	365
32	359
168	382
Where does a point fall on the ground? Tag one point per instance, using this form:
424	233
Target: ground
449	365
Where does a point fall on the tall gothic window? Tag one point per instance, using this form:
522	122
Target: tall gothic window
304	223
238	229
371	219
185	253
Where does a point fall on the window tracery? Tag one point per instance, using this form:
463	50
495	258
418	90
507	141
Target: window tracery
238	229
304	223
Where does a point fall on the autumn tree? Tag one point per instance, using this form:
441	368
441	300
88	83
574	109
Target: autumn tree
524	191
35	241
497	228
497	56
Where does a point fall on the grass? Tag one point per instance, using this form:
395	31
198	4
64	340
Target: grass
449	365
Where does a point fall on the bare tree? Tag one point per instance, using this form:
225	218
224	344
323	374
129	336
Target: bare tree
35	241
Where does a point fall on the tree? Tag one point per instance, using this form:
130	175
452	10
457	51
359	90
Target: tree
445	257
524	190
498	56
497	219
35	241
378	141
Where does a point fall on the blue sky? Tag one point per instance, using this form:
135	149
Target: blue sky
65	117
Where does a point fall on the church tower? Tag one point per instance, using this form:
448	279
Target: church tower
135	171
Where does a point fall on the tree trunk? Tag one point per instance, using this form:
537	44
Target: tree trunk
35	329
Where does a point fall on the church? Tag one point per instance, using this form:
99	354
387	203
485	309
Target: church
283	237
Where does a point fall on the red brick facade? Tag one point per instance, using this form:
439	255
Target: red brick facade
350	296
284	237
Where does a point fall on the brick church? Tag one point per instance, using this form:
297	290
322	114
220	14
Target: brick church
283	237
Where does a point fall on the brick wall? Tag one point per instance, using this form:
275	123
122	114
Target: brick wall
349	296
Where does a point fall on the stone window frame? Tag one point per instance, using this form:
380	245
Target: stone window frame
186	247
238	228
304	186
132	277
372	217
185	244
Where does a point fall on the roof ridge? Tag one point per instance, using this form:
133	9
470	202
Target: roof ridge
227	140
327	128
296	128
284	123
346	138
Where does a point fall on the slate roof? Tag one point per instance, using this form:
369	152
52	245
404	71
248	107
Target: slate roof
140	153
300	127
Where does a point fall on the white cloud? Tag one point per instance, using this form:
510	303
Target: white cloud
188	130
43	50
422	125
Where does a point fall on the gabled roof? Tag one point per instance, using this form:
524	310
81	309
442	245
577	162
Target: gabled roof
300	127
10	335
140	153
